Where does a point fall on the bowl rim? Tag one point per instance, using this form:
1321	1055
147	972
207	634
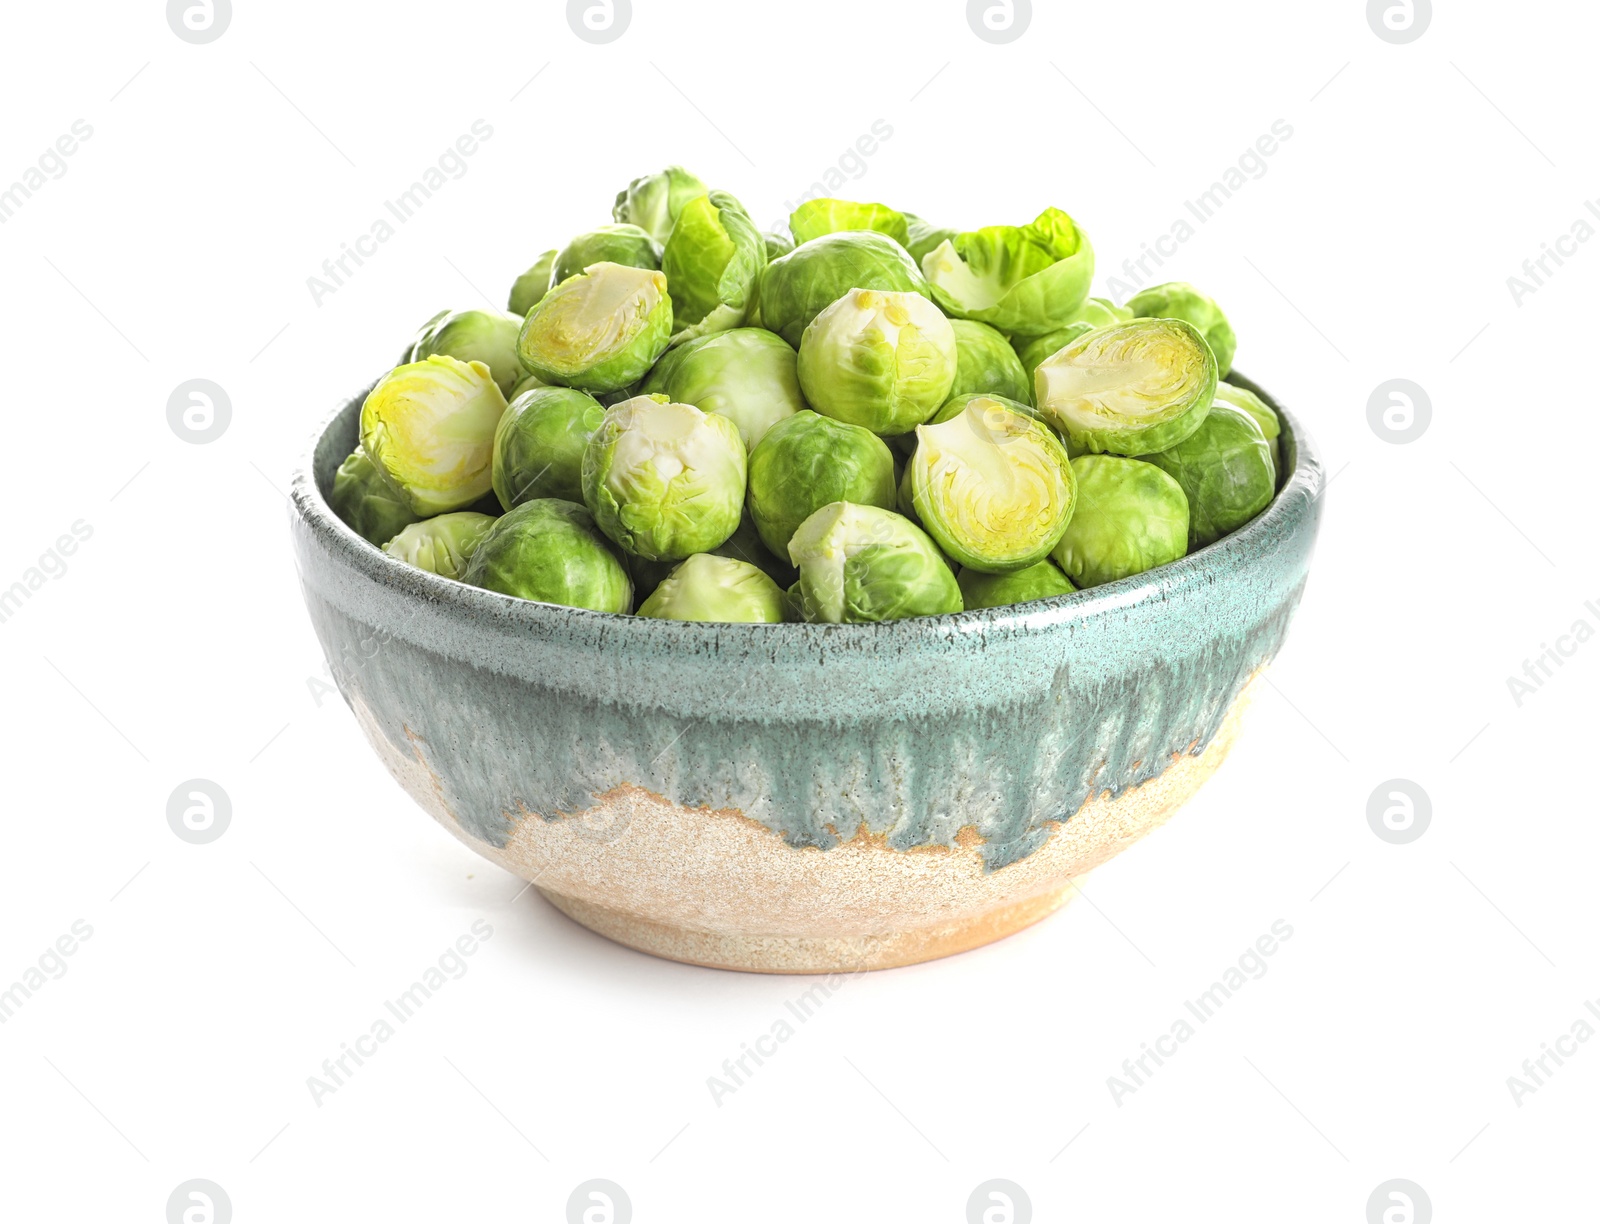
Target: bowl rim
1297	494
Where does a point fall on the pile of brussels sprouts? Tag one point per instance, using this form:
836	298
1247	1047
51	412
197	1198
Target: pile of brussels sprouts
685	418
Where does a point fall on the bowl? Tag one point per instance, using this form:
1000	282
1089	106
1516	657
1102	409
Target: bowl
804	798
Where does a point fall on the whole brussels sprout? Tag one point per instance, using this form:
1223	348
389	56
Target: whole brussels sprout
653	201
807	461
778	245
1177	300
986	364
366	502
1131	517
619	244
429	429
1024	279
1264	416
598	331
664	480
992	486
815	218
532	285
442	545
473	335
862	563
1226	470
1129	388
706	587
746	374
922	237
816	274
539	443
713	263
1043	580
549	550
884	361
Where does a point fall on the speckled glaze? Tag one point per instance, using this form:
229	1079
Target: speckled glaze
804	798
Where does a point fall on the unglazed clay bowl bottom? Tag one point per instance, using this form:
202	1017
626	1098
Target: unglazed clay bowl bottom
804	798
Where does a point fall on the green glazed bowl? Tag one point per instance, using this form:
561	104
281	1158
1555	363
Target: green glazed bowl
804	798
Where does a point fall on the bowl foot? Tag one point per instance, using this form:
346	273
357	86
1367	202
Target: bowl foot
804	953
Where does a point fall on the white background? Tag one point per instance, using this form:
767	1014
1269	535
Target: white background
1377	245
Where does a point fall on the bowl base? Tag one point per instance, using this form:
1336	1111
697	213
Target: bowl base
810	954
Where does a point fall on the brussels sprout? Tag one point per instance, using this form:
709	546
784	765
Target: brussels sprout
1226	470
885	361
532	285
538	445
711	588
549	550
922	237
992	486
778	245
1036	351
747	375
816	274
815	218
442	545
600	330
807	461
664	480
1043	580
1131	517
429	429
1132	387
862	563
366	503
619	244
986	364
713	264
1180	301
473	335
653	201
1263	415
1026	280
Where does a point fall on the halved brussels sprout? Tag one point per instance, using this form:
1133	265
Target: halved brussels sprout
598	331
746	374
816	274
1260	411
429	430
705	587
1131	517
1129	388
807	461
532	285
884	361
1043	580
861	563
815	218
442	545
619	244
473	335
366	502
992	485
664	480
539	443
653	201
1024	279
549	550
1177	300
1226	470
713	262
986	364
921	237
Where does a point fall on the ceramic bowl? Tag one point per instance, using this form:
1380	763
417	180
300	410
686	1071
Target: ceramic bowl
804	798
